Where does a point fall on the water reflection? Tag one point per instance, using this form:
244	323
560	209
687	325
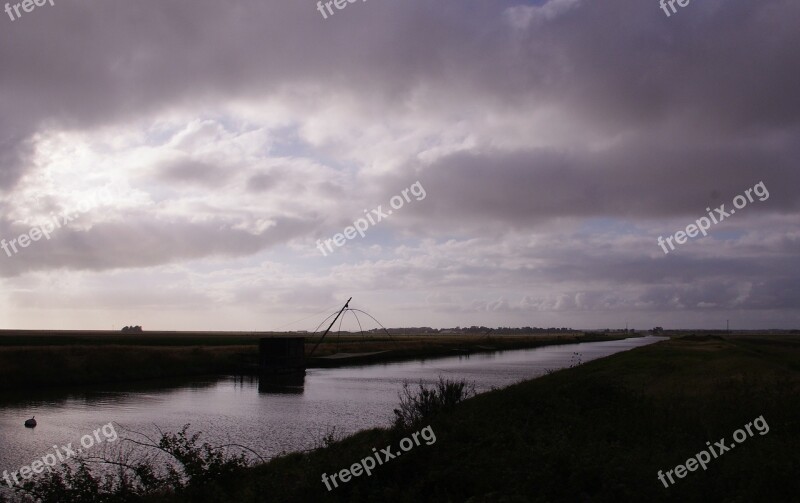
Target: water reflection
291	383
99	392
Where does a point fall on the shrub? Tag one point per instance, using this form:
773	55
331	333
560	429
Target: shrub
190	469
424	403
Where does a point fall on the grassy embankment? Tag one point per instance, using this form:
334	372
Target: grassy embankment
597	432
32	359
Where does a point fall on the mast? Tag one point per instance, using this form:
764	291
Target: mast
330	326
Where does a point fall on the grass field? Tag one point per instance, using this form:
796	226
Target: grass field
597	432
29	338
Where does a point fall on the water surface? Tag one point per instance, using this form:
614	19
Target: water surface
231	410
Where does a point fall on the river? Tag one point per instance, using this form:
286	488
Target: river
234	410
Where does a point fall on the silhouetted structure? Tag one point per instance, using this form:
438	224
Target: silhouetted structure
137	328
281	355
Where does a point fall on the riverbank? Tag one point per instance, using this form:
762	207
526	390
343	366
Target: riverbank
31	360
597	432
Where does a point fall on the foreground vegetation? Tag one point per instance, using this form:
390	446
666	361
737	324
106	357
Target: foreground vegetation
597	432
40	359
177	465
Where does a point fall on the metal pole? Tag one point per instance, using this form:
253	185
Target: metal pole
330	326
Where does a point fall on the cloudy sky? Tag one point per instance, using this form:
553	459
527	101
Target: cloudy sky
202	150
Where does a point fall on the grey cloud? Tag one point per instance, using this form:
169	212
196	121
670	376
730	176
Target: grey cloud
687	112
142	241
194	172
262	182
637	182
15	154
719	68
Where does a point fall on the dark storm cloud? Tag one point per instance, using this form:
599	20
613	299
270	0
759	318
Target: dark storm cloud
636	181
88	63
671	115
719	68
724	66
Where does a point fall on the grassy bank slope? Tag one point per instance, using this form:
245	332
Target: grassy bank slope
598	432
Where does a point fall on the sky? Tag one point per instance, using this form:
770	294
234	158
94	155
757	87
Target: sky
180	164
